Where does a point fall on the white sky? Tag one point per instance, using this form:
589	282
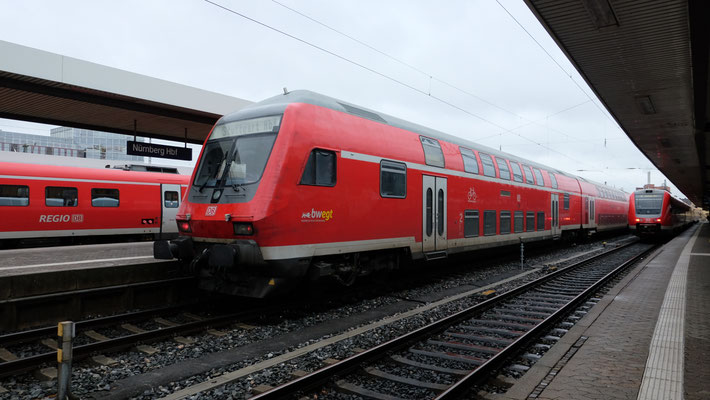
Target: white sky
512	93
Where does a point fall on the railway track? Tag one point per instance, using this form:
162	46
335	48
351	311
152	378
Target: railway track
445	359
182	323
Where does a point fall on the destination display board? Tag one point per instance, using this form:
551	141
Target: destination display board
158	150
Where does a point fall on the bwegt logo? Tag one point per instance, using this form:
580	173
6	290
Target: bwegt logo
318	215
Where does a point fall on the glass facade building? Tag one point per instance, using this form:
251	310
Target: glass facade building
71	142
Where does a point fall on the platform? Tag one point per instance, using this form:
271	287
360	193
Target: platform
648	338
38	271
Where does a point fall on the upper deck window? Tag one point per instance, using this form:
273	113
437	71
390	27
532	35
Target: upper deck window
503	168
517	173
488	168
538	177
470	163
528	174
553	180
433	155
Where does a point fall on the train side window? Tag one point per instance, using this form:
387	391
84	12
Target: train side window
503	169
393	179
504	222
55	196
105	198
488	168
540	221
517	173
528	174
432	152
566	201
518	222
553	180
14	195
538	177
320	169
171	199
470	163
530	221
470	223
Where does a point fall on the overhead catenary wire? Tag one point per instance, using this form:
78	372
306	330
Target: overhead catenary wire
604	113
383	75
430	77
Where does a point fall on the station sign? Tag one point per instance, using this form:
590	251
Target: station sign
158	150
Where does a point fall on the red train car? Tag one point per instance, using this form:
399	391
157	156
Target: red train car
41	201
303	185
655	213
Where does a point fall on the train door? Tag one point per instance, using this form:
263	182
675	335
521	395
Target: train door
434	213
170	201
555	213
592	214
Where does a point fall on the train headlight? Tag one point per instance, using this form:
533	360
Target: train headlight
243	228
658	220
184	226
638	219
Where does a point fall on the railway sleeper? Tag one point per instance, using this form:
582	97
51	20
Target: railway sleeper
524	312
465	346
507	317
407	381
498	331
449	356
351	388
481	339
492	323
437	368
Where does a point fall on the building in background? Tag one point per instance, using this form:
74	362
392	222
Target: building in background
71	142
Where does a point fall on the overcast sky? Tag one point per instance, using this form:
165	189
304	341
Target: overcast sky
466	68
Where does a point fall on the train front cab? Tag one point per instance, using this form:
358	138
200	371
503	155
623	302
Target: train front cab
646	212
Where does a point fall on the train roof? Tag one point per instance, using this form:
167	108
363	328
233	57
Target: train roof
278	104
21	170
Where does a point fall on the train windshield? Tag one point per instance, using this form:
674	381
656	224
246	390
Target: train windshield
647	204
236	152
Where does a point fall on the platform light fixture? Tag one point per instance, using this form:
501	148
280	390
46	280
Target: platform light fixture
646	105
601	13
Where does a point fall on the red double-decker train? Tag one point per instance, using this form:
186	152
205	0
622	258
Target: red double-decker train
43	201
654	213
303	185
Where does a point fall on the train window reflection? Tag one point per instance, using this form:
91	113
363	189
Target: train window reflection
503	169
489	222
320	169
61	196
14	195
171	199
488	168
104	198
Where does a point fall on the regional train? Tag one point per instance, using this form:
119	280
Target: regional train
302	186
654	213
42	201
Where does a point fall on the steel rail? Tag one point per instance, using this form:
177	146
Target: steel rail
122	342
323	375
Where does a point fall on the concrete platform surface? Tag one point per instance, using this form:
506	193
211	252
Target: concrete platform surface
43	259
649	337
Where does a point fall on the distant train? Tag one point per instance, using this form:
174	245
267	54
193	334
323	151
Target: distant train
43	201
655	213
303	186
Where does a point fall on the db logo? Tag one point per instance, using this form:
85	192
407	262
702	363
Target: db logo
211	211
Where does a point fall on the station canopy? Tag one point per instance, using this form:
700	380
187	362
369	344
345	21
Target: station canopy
49	88
647	61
